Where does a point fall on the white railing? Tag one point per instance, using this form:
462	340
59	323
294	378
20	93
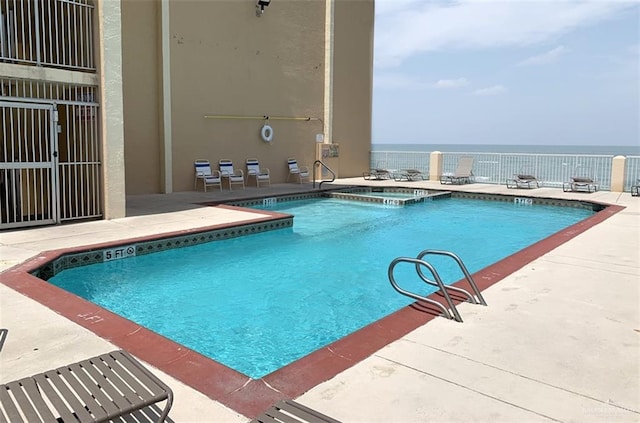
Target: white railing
551	169
631	172
397	160
496	168
56	33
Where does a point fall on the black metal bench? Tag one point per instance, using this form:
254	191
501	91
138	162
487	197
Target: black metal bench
98	389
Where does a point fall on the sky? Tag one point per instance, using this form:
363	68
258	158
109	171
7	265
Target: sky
542	72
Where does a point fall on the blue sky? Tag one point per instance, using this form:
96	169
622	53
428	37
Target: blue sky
544	72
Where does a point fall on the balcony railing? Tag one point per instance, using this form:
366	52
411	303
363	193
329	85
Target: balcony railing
496	168
56	33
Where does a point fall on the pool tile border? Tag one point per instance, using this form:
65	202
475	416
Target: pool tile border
431	194
507	198
143	247
248	396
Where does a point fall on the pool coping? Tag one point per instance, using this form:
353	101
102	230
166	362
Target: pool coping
233	389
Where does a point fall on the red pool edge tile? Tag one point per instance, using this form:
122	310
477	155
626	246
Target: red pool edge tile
248	396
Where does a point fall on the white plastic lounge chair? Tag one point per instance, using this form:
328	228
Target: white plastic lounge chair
261	175
109	387
463	173
301	173
288	411
204	173
523	179
231	175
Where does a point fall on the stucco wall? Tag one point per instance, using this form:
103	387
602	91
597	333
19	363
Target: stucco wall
141	87
227	61
353	84
245	66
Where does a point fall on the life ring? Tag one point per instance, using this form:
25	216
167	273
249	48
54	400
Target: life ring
267	132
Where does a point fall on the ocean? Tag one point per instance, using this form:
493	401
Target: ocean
611	150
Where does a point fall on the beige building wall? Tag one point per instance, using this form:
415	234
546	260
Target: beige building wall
353	84
141	73
226	61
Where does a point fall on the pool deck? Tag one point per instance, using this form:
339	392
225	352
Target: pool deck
559	341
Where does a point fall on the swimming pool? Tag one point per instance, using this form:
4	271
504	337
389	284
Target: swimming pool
282	278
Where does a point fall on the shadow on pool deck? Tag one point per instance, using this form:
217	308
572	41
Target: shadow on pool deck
140	205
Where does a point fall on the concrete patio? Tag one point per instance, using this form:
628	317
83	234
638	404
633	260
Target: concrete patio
559	341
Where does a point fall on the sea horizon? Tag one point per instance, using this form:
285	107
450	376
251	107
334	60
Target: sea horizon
609	150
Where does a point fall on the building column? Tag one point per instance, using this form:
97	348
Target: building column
435	165
167	138
328	71
617	174
109	51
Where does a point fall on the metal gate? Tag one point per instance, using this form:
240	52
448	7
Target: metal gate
28	163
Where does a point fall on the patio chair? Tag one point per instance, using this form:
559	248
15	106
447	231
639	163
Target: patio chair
288	411
100	389
580	184
463	173
231	175
523	179
581	181
377	174
301	173
409	175
635	189
260	175
204	173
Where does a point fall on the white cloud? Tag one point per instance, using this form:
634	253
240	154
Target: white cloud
408	27
544	58
495	90
451	83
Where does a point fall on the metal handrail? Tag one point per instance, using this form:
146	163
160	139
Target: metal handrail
418	263
316	165
467	275
464	292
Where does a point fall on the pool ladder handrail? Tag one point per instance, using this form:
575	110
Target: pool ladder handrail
438	282
316	165
478	299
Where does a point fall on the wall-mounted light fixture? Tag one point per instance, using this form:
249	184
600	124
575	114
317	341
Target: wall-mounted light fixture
260	6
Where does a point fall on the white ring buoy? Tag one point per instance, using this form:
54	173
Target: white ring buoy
267	133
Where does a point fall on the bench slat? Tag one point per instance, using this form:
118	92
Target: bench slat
61	407
111	386
74	400
9	407
23	402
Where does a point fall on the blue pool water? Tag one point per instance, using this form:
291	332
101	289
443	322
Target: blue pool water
259	302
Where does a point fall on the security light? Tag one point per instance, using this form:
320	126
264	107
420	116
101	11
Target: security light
260	7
